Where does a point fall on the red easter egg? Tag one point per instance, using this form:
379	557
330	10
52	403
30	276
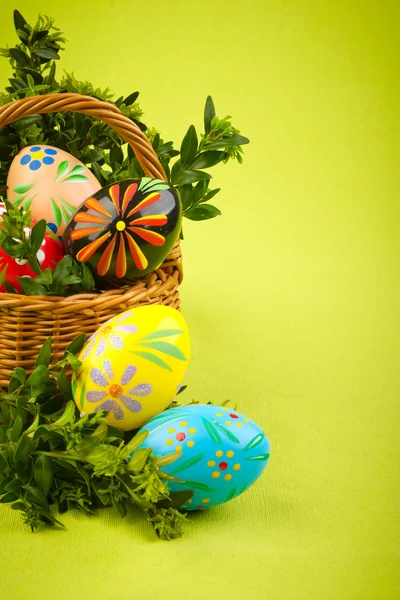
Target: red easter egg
49	254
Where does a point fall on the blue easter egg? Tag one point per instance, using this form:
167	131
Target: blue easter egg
223	452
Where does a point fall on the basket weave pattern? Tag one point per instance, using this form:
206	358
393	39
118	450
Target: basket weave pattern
27	321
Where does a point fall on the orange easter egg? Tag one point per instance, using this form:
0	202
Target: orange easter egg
51	183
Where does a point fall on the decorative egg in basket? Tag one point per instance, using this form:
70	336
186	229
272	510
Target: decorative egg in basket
51	183
133	365
223	452
125	230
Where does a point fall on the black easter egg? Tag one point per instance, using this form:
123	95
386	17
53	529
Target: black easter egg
125	230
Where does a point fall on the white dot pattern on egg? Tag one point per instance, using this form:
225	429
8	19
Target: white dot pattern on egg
223	451
51	183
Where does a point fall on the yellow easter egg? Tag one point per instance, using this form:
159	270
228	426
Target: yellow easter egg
133	366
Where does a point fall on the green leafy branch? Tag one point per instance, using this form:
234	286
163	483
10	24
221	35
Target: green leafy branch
67	278
33	61
13	238
52	456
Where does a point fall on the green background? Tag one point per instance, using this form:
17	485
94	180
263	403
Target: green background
291	297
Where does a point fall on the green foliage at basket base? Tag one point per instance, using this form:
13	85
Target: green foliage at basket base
51	457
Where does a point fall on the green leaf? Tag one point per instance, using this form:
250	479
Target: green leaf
75	179
203	212
259	457
160	333
199	192
73	361
16	429
35	423
198	486
44	356
136	441
56	212
139	459
76	345
19	21
18	506
228	433
9	497
37	234
254	442
46	53
9	288
188	463
168	418
189	147
190	176
186	193
15	486
131	99
119	507
30	287
148	184
50	77
153	358
43	473
45	278
19	56
231	494
25	446
116	156
22	188
227	142
64	383
62	169
28	201
176	499
36	495
39	376
27	122
20	374
212	431
69	413
3	273
207	159
68	207
168	459
209	114
77	170
82	395
87	279
165	348
210	194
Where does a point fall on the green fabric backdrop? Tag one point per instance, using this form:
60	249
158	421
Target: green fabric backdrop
291	297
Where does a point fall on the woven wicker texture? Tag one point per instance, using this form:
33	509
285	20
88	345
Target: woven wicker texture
27	321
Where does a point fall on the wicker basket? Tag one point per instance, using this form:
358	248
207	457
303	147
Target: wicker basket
26	321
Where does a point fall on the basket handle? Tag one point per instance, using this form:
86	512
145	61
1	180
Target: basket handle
104	111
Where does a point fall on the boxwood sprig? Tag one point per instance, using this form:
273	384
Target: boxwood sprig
53	457
33	61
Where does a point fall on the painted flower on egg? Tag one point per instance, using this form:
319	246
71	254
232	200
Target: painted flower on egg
115	391
107	333
222	451
38	156
125	230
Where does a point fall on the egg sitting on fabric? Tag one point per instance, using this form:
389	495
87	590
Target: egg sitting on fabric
133	366
51	183
223	451
125	230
